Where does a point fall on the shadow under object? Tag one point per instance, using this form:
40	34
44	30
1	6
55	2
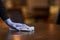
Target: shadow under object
16	15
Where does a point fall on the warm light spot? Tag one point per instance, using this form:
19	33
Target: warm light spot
51	27
16	37
8	4
54	9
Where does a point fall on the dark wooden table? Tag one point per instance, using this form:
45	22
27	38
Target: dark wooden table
43	31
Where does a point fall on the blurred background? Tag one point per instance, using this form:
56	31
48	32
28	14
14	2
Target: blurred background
32	11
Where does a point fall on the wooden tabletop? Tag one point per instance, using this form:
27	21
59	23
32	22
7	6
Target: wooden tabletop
43	31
